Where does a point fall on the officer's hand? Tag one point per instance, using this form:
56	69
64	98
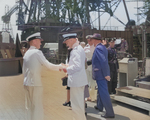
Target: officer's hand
65	70
107	78
60	67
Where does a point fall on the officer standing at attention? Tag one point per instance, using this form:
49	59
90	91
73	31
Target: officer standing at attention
101	73
33	61
113	64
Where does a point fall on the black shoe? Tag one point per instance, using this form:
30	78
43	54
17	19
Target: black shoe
67	103
97	108
105	116
85	105
85	113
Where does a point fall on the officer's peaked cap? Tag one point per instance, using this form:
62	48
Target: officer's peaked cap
34	36
111	39
89	36
68	36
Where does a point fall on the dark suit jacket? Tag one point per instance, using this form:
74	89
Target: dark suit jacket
100	67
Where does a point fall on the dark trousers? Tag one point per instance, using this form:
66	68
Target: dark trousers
112	84
104	100
98	101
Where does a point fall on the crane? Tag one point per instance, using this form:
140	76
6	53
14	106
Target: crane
6	17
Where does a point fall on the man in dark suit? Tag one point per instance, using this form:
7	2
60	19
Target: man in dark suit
114	66
101	73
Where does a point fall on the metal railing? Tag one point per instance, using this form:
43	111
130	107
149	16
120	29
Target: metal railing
58	58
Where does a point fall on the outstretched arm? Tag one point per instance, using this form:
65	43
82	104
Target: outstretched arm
46	63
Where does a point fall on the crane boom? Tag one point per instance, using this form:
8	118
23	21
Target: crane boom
6	17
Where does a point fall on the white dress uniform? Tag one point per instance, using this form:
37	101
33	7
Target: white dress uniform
92	83
32	63
77	80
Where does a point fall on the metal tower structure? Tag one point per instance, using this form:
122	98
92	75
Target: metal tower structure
45	14
34	15
60	11
36	12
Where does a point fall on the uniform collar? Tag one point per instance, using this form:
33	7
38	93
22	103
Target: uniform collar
92	46
75	44
32	47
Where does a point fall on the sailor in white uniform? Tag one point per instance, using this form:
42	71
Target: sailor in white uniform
77	78
32	63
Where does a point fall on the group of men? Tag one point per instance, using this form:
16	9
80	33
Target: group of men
75	69
112	60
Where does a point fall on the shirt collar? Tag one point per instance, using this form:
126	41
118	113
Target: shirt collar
99	44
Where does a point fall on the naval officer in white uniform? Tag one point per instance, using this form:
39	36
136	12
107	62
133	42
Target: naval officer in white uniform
32	63
77	78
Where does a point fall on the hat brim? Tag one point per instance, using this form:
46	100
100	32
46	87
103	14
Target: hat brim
67	38
41	39
37	37
96	38
88	36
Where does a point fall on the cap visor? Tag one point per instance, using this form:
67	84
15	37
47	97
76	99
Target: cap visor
41	39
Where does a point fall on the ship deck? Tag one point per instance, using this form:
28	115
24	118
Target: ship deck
12	101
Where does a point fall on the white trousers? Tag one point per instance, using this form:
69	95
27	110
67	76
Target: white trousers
33	102
77	103
92	84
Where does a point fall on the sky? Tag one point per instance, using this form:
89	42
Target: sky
120	13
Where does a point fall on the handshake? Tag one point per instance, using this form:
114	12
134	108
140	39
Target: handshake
63	67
